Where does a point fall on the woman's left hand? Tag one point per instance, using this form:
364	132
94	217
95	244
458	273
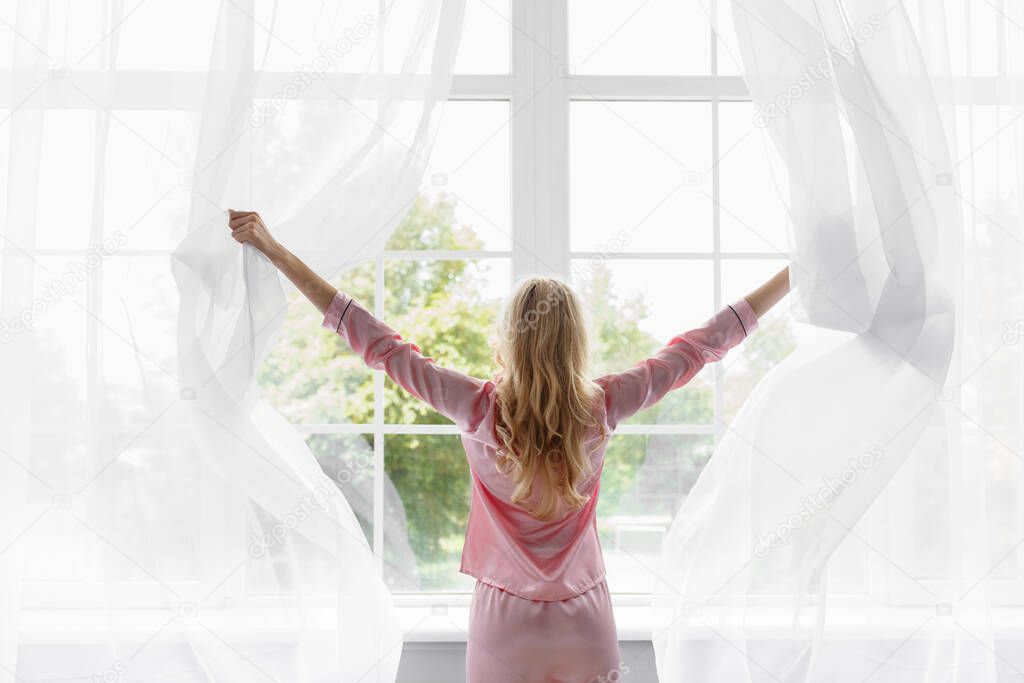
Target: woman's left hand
248	228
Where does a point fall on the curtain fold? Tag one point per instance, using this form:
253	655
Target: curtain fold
799	554
204	539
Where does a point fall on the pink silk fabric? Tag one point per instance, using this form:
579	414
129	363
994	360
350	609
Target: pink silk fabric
505	547
512	640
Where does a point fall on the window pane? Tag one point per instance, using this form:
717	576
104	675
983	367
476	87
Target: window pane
640	174
62	461
348	460
364	36
469	170
645	481
994	355
753	216
166	34
635	308
74	30
149	34
484	45
137	335
971	34
1004	474
921	512
992	390
57	324
848	570
659	37
66	164
426	506
9	16
273	542
149	166
82	468
311	375
449	309
315	37
5	153
284	129
728	46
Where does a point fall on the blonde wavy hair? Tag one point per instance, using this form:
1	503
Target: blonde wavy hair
546	402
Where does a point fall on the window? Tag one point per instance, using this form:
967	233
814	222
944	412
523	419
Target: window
629	172
608	142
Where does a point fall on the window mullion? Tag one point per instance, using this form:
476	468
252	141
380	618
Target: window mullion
378	431
552	76
521	133
539	133
378	380
716	226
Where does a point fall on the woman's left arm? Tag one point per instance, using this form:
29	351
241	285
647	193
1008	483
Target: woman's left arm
459	397
770	293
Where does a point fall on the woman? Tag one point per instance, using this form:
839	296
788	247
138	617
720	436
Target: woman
535	438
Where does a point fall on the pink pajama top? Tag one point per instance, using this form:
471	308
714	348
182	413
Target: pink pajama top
505	547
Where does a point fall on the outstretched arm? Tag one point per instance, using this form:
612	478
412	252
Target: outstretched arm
684	356
460	398
648	381
769	294
248	228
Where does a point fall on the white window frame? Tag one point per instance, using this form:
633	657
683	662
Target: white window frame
540	88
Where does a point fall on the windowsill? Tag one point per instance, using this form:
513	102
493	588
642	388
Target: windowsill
634	624
425	625
428	624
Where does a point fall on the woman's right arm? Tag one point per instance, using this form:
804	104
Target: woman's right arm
459	397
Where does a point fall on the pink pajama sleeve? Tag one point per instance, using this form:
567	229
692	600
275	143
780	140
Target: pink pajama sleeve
684	356
461	398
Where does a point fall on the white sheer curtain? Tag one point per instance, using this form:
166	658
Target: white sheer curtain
860	519
160	520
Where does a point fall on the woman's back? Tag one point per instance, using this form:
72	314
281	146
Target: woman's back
509	547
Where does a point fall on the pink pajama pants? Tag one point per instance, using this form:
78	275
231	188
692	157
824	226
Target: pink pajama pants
515	640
